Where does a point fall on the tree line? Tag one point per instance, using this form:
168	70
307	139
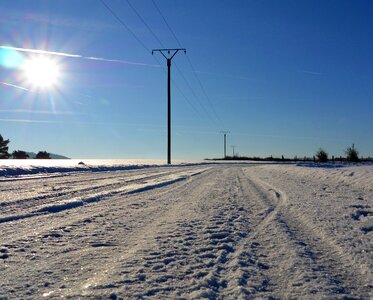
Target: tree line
352	155
18	154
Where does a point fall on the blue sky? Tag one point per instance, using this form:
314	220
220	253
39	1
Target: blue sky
284	77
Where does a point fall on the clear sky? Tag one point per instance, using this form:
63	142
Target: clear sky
284	77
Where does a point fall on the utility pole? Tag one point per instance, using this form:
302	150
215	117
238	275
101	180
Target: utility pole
170	53
233	146
225	142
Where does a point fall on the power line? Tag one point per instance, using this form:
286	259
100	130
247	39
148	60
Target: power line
146	25
169	58
190	63
160	42
203	90
194	94
169	27
125	25
179	89
185	97
178	69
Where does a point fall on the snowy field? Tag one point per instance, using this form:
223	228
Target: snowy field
191	231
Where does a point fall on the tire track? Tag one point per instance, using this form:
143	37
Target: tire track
32	222
69	191
51	197
194	240
165	240
316	258
221	234
65	252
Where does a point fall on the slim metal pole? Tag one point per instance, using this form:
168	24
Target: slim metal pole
169	110
168	54
233	150
225	142
225	145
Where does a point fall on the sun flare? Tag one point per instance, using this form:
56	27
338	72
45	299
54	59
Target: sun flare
41	72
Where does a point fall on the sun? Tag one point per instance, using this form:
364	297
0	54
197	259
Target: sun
41	72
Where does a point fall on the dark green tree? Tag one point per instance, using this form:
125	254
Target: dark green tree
4	148
19	154
352	154
322	155
43	155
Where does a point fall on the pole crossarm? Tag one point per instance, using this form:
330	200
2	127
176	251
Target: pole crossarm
168	51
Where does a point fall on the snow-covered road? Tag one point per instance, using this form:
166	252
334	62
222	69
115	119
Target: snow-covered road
203	231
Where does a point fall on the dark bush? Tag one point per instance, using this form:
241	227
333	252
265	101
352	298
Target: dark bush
322	155
19	154
352	154
43	155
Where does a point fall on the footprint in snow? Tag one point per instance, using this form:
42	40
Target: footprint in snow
4	253
361	213
367	229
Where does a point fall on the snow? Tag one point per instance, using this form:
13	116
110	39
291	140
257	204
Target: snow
193	230
19	167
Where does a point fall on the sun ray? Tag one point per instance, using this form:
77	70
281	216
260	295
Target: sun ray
52	103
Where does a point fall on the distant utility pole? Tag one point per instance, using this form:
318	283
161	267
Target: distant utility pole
233	146
225	142
170	53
